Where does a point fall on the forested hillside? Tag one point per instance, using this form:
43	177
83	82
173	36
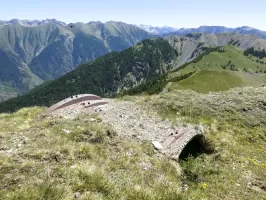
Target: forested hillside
106	76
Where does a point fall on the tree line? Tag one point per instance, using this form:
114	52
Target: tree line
257	53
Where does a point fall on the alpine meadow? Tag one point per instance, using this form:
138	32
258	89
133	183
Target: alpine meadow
112	110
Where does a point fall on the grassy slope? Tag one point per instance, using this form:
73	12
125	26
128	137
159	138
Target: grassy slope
210	76
236	126
218	80
38	160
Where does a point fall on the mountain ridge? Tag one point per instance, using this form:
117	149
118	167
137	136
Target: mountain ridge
220	29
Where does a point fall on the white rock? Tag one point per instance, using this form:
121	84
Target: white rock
157	145
139	137
66	131
10	151
93	120
77	195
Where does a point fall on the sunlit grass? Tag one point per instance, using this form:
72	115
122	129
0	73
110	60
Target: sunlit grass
45	157
40	160
236	125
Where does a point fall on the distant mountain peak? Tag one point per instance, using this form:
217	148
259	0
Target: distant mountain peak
95	22
159	30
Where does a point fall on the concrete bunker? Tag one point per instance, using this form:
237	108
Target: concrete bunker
85	100
196	146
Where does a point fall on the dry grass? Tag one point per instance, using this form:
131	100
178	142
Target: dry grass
40	160
236	124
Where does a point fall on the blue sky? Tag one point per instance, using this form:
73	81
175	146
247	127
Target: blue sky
177	13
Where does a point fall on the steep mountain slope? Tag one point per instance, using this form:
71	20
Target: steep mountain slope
192	45
220	29
31	55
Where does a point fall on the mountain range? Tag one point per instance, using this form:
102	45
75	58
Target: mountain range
32	55
30	23
220	29
35	51
158	30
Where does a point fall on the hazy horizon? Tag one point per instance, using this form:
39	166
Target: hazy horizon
172	13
